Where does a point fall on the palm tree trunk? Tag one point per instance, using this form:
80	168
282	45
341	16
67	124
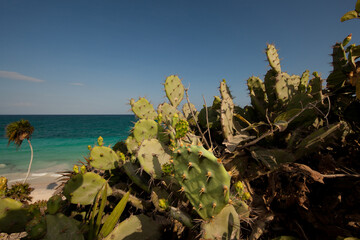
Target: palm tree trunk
31	159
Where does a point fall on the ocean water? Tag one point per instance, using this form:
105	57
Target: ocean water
60	141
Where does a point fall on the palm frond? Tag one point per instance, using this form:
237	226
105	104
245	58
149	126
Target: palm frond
18	131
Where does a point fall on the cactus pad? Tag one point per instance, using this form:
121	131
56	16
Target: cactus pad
13	216
281	86
82	188
168	111
187	112
273	58
131	144
226	225
174	90
203	178
136	227
145	129
36	228
227	111
152	156
54	204
257	94
61	227
103	158
304	81
143	109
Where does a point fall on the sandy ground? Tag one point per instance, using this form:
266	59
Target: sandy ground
43	181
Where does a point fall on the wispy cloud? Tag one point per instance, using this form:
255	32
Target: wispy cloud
18	76
77	84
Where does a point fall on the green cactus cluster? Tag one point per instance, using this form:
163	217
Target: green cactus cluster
13	215
179	167
82	188
203	179
103	158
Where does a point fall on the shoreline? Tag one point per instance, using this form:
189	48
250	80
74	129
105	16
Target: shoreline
44	181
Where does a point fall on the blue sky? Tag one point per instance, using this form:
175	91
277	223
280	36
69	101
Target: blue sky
91	57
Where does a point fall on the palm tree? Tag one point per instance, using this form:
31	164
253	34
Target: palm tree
18	131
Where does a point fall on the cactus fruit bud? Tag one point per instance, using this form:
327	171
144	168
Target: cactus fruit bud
83	169
347	40
159	118
3	185
163	204
239	186
76	169
100	141
246	196
121	156
181	128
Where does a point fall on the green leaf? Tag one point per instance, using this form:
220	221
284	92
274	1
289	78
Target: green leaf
114	216
357	6
349	15
101	210
93	212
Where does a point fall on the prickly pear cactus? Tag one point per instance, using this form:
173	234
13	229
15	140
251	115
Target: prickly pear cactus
54	204
227	111
152	155
131	144
168	111
226	225
315	87
174	90
13	216
103	158
145	129
136	227
281	87
143	109
304	81
181	128
257	94
273	58
36	228
203	178
187	110
82	188
61	227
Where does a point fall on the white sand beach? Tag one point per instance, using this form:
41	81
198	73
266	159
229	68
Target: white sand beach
44	181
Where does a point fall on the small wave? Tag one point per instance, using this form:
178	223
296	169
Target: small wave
2	165
55	175
38	174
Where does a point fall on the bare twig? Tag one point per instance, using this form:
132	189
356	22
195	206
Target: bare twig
270	132
207	122
340	175
192	114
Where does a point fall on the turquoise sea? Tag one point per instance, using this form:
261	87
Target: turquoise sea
60	141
